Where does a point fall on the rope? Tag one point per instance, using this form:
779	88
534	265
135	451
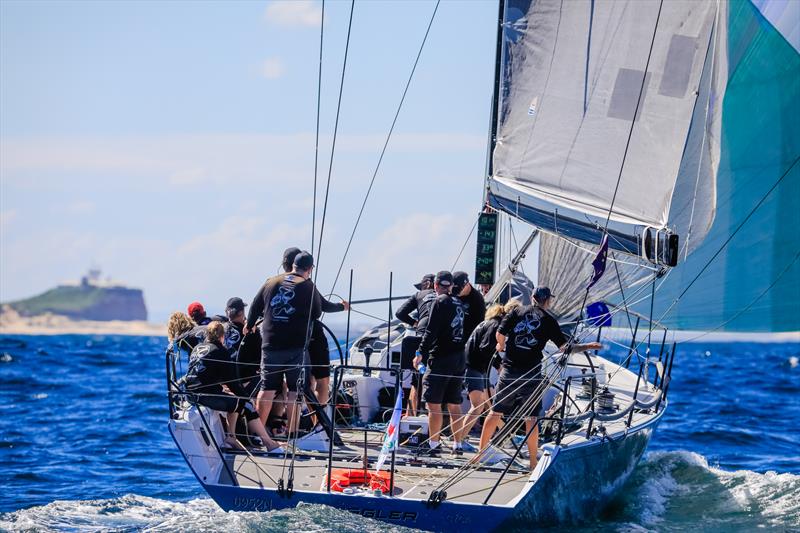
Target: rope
316	139
385	145
463	246
335	131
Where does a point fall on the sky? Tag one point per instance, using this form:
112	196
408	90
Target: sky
172	143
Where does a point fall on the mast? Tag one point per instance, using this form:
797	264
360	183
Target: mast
494	116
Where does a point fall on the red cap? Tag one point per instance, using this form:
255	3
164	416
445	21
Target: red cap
196	308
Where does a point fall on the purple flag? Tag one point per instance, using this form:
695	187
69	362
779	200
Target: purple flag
599	262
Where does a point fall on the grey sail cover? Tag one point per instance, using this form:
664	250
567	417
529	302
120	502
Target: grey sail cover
573	84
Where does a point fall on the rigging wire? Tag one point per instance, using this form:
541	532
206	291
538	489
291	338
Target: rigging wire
335	131
731	236
385	145
757	298
316	138
466	241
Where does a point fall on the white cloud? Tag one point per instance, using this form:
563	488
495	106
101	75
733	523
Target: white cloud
294	13
189	159
272	68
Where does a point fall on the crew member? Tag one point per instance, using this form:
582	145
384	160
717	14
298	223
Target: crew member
480	356
442	348
234	310
474	304
415	312
521	337
198	313
288	304
318	350
209	369
420	302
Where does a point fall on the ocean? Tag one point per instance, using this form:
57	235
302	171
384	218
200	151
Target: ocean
84	446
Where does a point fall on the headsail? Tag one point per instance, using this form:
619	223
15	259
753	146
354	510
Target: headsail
577	114
753	284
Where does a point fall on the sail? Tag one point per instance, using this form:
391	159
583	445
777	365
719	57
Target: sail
599	93
753	283
565	267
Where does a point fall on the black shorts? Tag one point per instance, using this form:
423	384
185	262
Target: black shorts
229	404
319	354
475	380
444	380
515	387
277	364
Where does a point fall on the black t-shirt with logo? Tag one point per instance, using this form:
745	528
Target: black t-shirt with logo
421	302
287	302
475	308
209	367
233	336
528	329
444	334
481	345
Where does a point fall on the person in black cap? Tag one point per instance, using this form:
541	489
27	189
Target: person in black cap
288	302
245	350
415	312
420	302
288	305
521	337
474	304
234	310
442	349
318	351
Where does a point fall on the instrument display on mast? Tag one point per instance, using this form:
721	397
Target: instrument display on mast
486	248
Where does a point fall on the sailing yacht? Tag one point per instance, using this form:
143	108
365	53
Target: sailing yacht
609	138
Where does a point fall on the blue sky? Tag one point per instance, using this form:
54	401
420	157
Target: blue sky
172	143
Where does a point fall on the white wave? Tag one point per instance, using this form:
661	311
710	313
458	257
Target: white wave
681	486
133	512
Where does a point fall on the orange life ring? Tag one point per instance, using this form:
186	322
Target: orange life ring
345	477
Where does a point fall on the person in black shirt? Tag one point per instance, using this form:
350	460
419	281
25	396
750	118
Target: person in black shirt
245	355
474	304
415	312
318	351
442	348
521	336
234	310
209	369
420	302
480	355
198	313
288	305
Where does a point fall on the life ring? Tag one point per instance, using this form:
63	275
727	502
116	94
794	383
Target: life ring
345	477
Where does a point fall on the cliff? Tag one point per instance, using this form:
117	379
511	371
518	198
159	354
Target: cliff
86	301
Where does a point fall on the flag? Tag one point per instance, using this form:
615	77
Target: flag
392	431
599	262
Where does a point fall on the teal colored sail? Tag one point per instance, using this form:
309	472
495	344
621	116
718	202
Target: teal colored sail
754	282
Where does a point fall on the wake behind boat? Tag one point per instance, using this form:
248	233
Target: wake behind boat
606	140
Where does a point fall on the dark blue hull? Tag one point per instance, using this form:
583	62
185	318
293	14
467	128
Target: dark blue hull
577	485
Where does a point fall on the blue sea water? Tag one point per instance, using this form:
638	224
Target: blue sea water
84	445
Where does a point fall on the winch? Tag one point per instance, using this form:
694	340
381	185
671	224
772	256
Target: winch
605	400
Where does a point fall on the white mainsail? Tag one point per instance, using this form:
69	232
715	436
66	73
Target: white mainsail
573	79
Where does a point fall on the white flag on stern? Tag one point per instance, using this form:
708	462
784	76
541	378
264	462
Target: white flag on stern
392	430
